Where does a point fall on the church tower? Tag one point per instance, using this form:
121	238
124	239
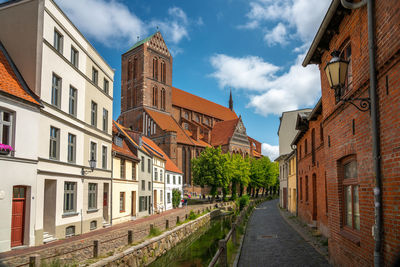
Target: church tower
146	80
230	101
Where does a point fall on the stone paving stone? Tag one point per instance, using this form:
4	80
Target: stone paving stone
270	241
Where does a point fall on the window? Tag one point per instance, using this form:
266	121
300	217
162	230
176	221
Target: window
163	99
56	91
313	146
155	68
6	127
305	147
306	188
92	196
161	175
118	141
142	164
163	72
73	97
93	225
122	202
161	196
106	86
179	182
168	198
300	152
142	204
173	179
321	133
149	186
58	41
346	54
69	197
71	148
105	120
122	169
351	195
301	188
74	56
54	143
155	96
167	178
155	174
148	166
143	185
93	117
93	151
130	70
133	171
70	231
104	157
95	75
135	63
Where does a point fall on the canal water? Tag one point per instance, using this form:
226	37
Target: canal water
199	248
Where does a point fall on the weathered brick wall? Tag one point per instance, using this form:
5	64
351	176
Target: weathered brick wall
357	248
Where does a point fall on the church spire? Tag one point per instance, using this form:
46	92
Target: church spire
230	101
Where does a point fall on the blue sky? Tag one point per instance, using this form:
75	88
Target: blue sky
254	47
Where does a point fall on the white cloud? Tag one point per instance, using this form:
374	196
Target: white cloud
270	92
303	17
277	35
270	151
112	23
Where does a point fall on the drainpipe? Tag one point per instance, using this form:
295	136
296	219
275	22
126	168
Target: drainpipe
378	228
113	153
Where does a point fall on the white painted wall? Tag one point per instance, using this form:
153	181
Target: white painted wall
169	186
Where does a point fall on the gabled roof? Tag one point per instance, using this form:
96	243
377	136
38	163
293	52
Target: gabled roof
290	111
126	132
223	131
169	124
153	148
189	101
169	165
139	43
11	82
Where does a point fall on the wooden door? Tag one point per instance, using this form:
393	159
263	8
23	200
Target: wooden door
18	216
133	204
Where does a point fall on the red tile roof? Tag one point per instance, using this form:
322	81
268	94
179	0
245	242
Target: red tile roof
192	102
10	83
169	165
124	150
222	132
169	124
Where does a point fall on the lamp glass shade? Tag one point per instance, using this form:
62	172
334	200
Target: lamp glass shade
336	71
92	164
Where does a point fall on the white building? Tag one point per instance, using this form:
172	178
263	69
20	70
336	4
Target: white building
75	85
19	128
173	181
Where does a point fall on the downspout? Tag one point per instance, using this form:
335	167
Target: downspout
378	228
113	153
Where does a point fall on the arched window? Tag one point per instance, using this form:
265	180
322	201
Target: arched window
313	146
129	97
184	165
155	68
163	72
135	66
130	70
155	96
163	99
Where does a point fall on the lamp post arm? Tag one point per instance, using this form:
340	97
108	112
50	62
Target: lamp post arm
349	5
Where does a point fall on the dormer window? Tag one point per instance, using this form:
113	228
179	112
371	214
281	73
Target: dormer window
118	141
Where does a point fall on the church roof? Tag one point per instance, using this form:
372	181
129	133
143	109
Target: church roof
139	43
198	104
11	81
223	131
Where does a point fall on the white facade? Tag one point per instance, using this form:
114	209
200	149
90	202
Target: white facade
173	181
19	169
158	184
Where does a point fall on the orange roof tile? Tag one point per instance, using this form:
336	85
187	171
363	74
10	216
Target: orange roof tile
169	165
192	102
9	81
168	123
124	150
222	132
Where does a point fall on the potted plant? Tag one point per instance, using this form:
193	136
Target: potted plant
5	149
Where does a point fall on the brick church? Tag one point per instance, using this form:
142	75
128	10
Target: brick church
182	124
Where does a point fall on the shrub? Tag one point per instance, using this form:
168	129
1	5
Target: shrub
154	232
192	215
176	197
243	201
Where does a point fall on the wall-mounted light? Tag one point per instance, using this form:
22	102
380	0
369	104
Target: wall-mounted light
92	165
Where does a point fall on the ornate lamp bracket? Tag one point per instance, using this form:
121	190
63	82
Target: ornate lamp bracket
362	104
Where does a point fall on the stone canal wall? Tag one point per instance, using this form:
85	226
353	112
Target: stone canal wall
148	251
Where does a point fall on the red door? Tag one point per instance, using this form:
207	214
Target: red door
18	216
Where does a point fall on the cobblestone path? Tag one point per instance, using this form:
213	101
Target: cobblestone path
270	241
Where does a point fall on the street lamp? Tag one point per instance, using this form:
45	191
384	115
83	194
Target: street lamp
336	72
92	165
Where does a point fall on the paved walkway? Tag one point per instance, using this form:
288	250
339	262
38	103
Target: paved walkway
270	241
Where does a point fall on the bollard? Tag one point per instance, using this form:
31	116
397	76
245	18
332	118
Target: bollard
234	233
177	219
224	253
186	216
34	260
130	237
95	248
166	224
151	227
198	212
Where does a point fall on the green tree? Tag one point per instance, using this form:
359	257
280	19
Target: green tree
239	174
176	197
210	168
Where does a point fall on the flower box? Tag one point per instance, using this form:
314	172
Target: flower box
5	149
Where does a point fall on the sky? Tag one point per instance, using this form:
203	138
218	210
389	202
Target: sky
252	47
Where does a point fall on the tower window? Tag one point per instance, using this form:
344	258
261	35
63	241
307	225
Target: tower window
155	96
155	68
163	99
163	72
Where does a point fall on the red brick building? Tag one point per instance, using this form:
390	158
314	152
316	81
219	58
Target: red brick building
182	124
311	176
347	132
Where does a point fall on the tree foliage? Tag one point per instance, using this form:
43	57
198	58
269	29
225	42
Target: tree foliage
176	197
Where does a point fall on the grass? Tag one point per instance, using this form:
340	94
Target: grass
57	263
154	232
